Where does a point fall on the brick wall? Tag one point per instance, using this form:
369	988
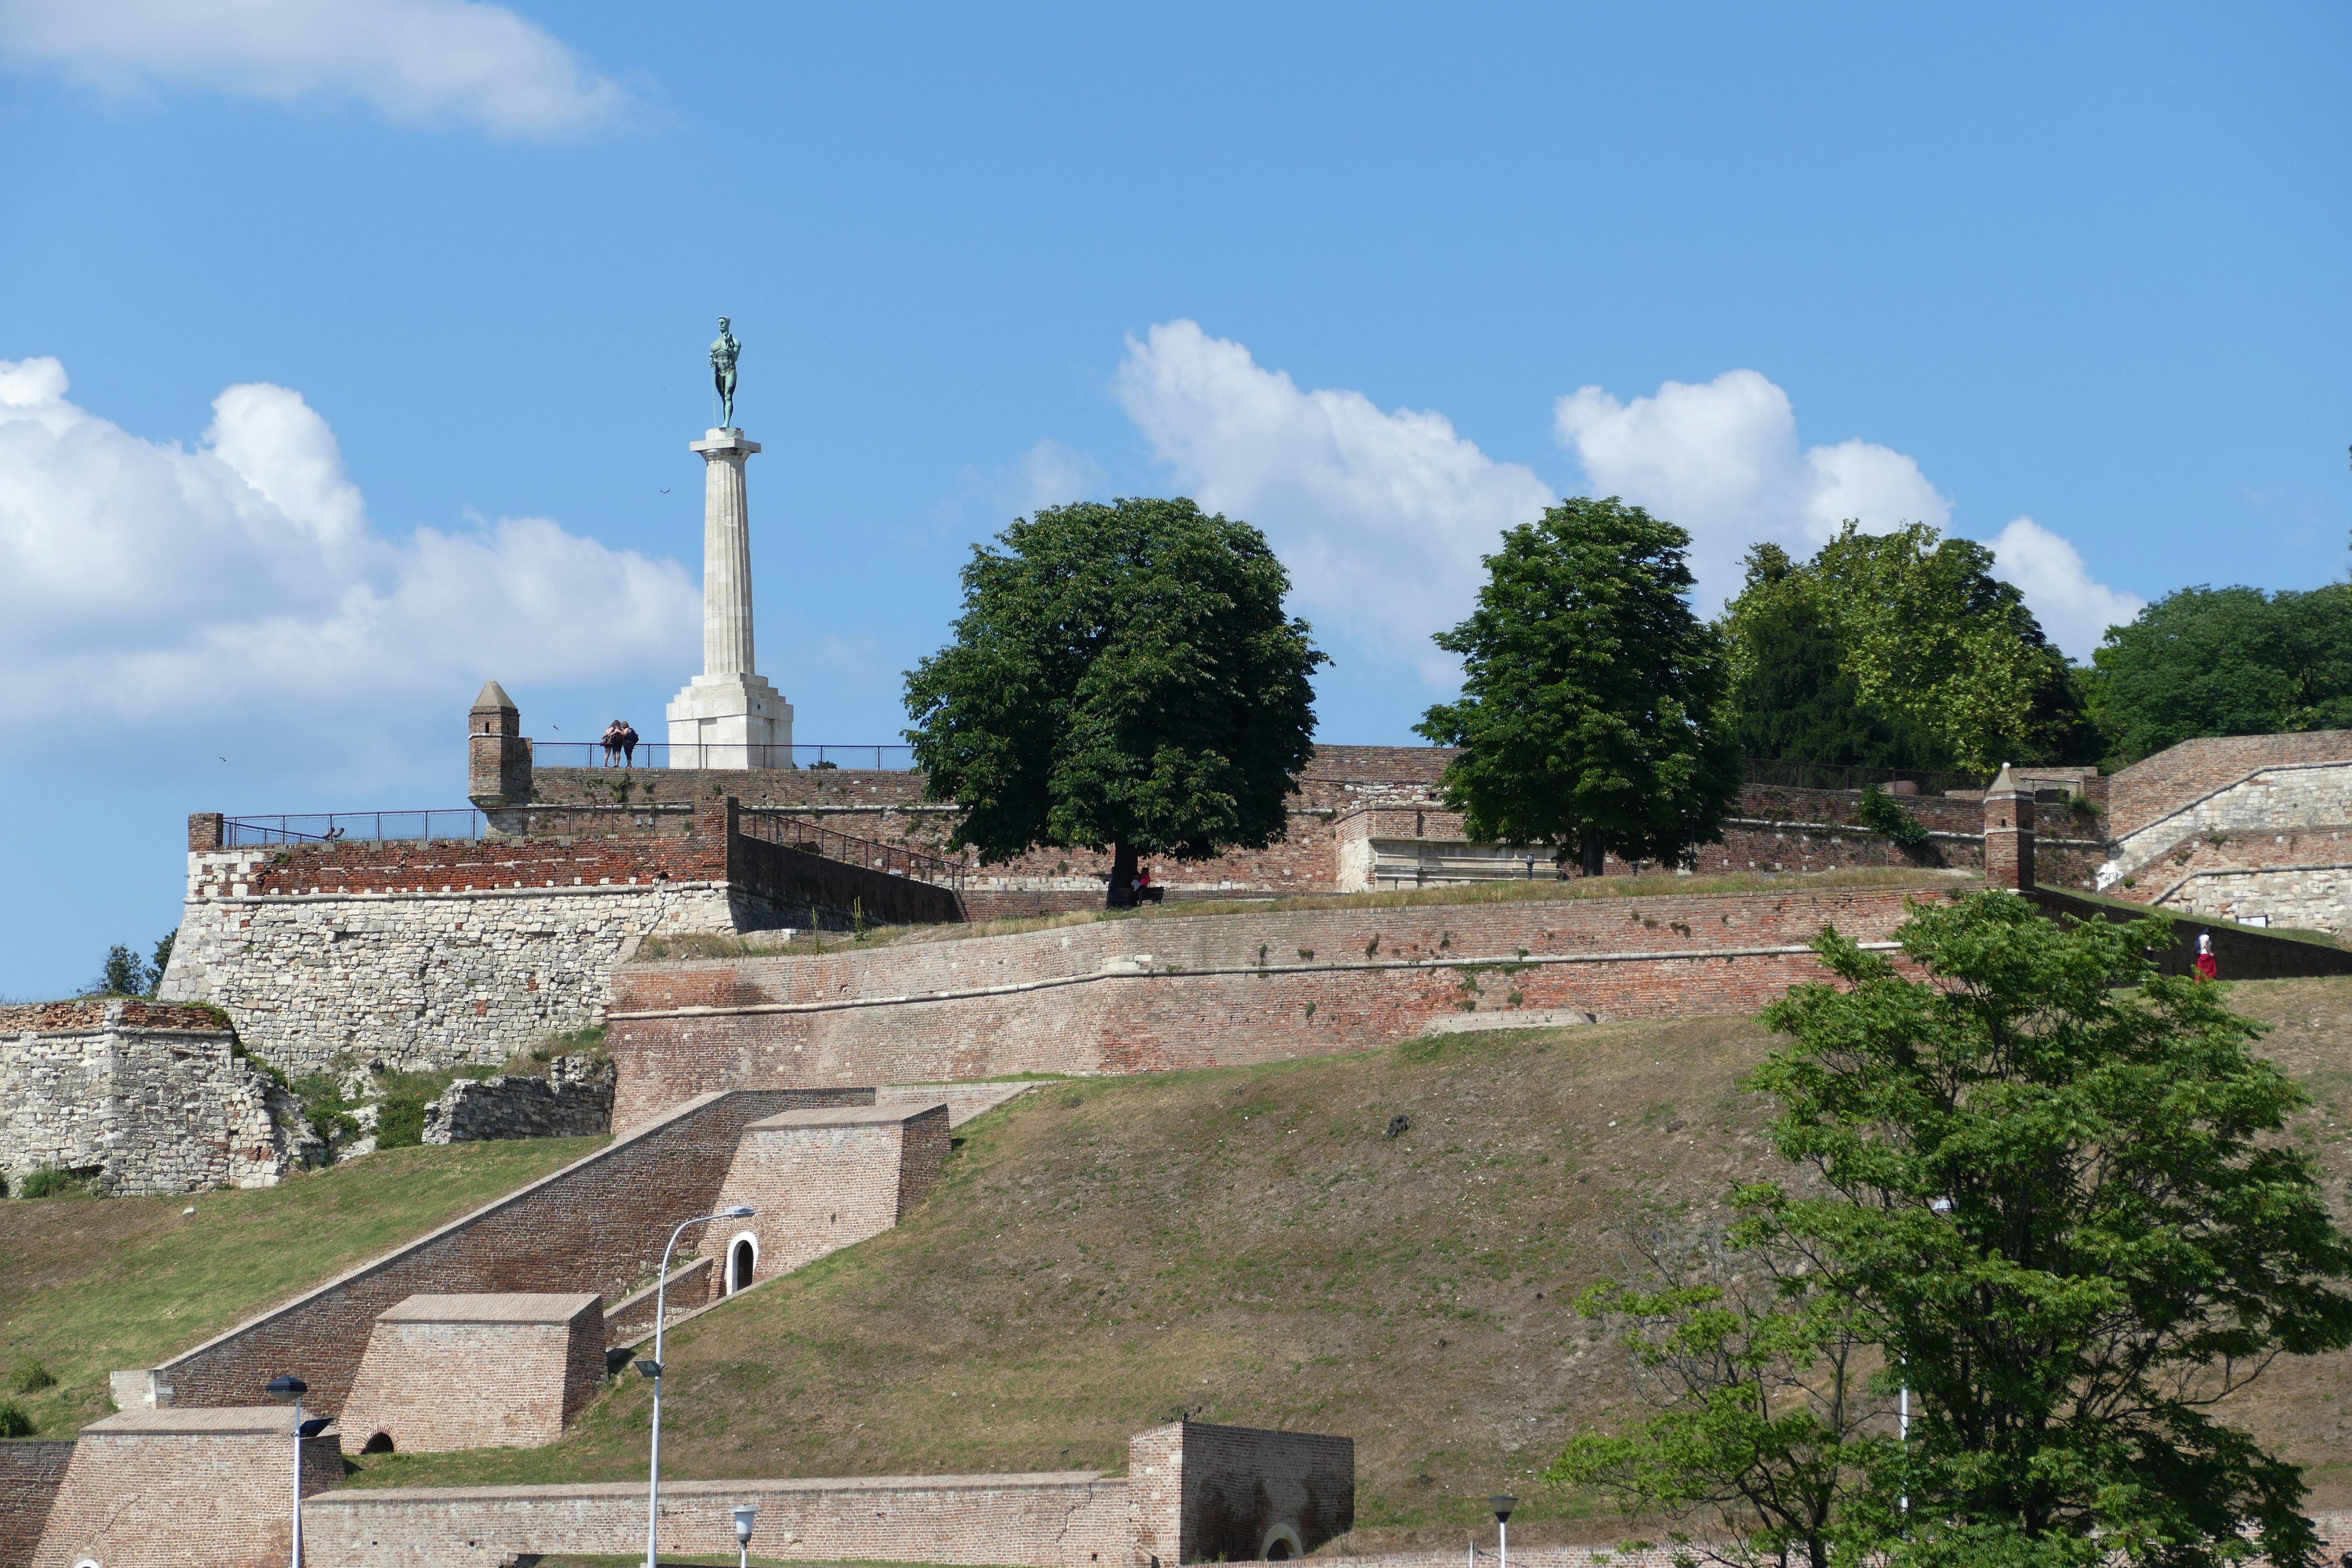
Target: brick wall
146	1098
185	1488
2267	800
477	1371
2243	955
2173	778
1145	996
598	1224
1242	1488
1071	1520
30	1474
819	1181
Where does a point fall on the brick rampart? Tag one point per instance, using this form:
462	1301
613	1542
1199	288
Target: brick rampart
1237	1490
2168	781
2266	801
598	1224
477	1371
2243	955
143	1099
185	1488
818	1181
1147	995
30	1474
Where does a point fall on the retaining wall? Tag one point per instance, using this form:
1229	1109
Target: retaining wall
484	1371
818	1181
184	1489
1151	995
598	1224
30	1474
2241	954
1200	1493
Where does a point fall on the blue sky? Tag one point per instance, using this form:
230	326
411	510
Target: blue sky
378	338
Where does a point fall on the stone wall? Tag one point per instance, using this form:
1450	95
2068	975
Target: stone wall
818	1181
2174	778
144	1098
477	1371
1198	991
598	1224
185	1488
30	1474
575	1100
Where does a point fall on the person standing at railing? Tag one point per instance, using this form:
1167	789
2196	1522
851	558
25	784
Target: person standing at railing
628	739
613	743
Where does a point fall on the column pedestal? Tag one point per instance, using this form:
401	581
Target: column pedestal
731	721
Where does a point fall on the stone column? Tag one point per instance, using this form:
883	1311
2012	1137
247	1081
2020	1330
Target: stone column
729	716
2009	832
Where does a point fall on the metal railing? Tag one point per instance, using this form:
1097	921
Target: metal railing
891	859
331	826
667	754
1789	775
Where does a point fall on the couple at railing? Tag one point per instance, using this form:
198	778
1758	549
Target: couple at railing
620	743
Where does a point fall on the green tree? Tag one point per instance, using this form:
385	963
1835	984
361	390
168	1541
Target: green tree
2225	661
2052	1185
1588	694
1122	675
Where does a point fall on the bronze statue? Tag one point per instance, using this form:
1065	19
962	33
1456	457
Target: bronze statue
722	373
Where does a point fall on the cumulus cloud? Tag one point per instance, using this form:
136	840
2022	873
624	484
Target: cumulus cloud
2074	611
1380	516
1722	459
416	61
154	591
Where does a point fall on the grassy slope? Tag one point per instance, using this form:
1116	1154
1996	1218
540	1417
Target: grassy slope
1244	1244
89	1286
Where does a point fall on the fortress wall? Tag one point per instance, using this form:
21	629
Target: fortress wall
149	1099
30	1474
598	1224
1180	992
2267	801
196	1489
2157	786
441	1372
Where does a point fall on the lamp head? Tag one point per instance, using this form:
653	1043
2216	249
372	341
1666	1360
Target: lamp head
1503	1503
736	1211
744	1513
649	1368
286	1388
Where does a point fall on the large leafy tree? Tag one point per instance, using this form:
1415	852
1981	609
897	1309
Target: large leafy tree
2225	661
1121	677
1910	648
1589	693
2052	1186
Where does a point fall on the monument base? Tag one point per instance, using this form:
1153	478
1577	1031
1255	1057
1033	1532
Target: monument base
731	721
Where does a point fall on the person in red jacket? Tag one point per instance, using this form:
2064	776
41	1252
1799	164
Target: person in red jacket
2207	968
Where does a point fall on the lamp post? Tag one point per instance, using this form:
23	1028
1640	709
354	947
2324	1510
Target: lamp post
286	1388
744	1514
1503	1503
653	1369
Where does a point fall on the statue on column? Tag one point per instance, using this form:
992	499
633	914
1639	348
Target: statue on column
722	373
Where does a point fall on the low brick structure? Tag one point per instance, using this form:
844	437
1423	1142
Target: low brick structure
1200	1493
477	1371
820	1180
573	1100
30	1475
598	1224
141	1097
185	1488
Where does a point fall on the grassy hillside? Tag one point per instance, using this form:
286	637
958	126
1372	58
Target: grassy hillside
1249	1245
90	1285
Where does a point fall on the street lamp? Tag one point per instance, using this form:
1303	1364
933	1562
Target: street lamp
1503	1503
287	1389
744	1514
653	1369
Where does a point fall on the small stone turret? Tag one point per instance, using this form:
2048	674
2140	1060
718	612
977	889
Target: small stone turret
498	765
2009	832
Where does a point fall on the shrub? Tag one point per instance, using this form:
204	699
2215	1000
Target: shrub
323	1105
1881	815
14	1422
46	1183
31	1377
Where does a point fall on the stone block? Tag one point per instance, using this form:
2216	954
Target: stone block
476	1370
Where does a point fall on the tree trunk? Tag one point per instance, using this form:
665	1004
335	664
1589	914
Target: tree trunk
1591	851
1122	876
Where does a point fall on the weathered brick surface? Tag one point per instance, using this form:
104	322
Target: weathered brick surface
30	1474
2176	777
2265	801
598	1224
2009	833
2243	955
185	1488
2301	876
475	1372
94	1089
1126	996
1243	1489
821	1179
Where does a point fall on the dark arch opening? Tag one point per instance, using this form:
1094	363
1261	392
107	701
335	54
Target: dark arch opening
1278	1551
379	1444
739	1270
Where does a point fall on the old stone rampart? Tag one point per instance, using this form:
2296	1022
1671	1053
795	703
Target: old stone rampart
142	1097
1220	1494
476	1370
598	1224
572	1101
2176	777
1198	991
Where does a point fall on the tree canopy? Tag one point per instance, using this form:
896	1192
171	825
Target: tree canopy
2225	661
1902	649
1589	693
1121	677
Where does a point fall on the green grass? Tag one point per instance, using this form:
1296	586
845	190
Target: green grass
1647	886
91	1285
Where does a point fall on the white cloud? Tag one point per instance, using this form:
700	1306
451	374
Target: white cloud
1381	517
416	61
149	593
2074	611
1054	475
1722	459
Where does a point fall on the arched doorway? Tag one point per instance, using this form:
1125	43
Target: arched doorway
742	1262
1281	1544
379	1444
